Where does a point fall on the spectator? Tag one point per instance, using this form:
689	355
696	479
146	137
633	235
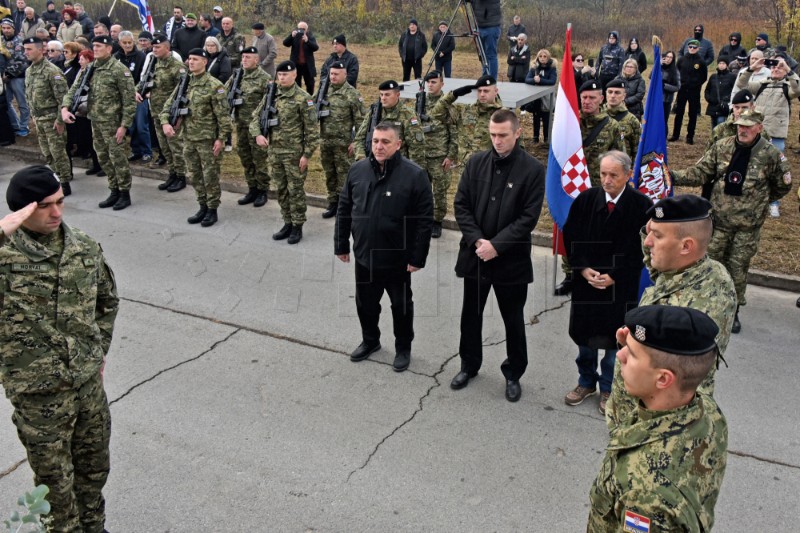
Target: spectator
412	47
762	45
188	37
30	24
69	29
757	74
174	24
139	131
670	84
145	42
303	45
514	30
444	56
519	59
207	26
341	53
489	17
733	49
50	15
610	59
14	78
543	71
705	50
55	53
43	34
100	30
268	49
216	21
87	24
232	41
634	51
7	137
114	30
694	74
635	88
83	126
19	16
218	64
581	71
52	31
718	93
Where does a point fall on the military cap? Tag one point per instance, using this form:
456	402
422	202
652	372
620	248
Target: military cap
198	52
390	85
693	42
104	39
742	97
258	26
616	83
191	16
31	184
672	329
749	117
32	40
340	39
286	66
682	208
433	75
7	21
485	81
591	85
337	64
159	38
250	50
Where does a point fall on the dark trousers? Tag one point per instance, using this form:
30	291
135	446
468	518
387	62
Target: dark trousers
408	65
511	302
692	96
541	119
304	75
443	66
370	285
667	108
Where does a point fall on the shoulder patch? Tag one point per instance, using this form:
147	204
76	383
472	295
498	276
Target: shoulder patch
787	178
360	98
127	74
783	158
182	71
636	523
221	90
57	77
414	121
310	102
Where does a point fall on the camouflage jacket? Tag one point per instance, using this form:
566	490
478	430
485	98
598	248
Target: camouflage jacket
441	136
297	133
59	302
347	112
254	87
413	146
727	129
45	87
768	178
233	44
208	118
666	467
610	138
168	74
472	121
630	128
112	95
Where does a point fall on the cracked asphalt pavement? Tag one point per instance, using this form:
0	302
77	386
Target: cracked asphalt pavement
235	406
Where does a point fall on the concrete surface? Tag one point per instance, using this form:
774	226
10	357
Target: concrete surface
236	408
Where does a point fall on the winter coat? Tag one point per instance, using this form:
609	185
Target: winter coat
771	100
87	26
693	70
639	56
219	65
718	93
635	89
133	62
548	73
518	60
186	39
420	45
309	47
706	50
448	45
670	82
732	52
610	60
487	13
69	32
51	17
29	27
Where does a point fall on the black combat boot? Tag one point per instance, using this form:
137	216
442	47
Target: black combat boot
111	201
297	234
331	211
436	232
210	219
261	199
248	198
737	326
66	188
180	183
124	200
199	216
94	170
170	180
283	233
565	287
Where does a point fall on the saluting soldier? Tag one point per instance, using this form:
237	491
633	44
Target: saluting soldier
112	106
253	157
630	129
338	120
203	130
45	88
413	140
291	144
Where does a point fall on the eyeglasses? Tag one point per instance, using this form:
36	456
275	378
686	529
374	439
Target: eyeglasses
691	46
52	51
579	60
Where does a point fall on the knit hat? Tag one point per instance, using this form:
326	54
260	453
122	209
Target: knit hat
340	39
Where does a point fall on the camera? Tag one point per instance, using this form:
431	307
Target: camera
300	31
770	63
591	63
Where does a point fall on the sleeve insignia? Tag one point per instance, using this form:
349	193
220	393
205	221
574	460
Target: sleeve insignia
783	158
414	121
787	178
57	77
127	74
220	91
310	102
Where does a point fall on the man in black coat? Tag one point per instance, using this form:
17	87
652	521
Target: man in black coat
601	236
189	37
387	204
303	45
342	54
497	205
694	74
412	47
444	56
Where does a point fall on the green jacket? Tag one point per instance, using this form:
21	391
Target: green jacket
347	112
254	87
208	118
168	74
630	129
609	138
112	95
297	132
413	146
45	88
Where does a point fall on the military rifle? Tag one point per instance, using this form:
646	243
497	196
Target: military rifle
147	80
377	111
80	98
322	94
180	104
268	118
235	93
420	109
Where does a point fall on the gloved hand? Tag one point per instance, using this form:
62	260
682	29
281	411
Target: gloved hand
461	91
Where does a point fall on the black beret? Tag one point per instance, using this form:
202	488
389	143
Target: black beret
286	66
433	75
32	40
340	39
616	83
590	85
145	35
671	329
337	64
742	97
104	39
31	184
683	208
198	52
250	50
390	85
258	26
159	38
485	80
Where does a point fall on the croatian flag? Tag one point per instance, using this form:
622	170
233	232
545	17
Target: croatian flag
567	173
636	523
144	13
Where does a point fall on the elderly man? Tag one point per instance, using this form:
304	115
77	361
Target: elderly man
303	45
30	24
267	48
232	41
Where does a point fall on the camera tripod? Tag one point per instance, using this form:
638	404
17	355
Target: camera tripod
472	25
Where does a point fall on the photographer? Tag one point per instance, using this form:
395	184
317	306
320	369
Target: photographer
303	45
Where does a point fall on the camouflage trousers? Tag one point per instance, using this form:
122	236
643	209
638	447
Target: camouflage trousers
66	436
336	164
440	181
734	249
54	147
253	158
289	181
171	149
203	168
112	156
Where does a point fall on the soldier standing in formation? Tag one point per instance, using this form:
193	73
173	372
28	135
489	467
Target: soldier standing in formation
392	110
291	144
629	126
45	87
203	130
112	106
253	157
338	119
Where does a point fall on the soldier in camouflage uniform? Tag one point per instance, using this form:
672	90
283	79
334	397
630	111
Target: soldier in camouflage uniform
291	144
345	112
232	41
629	126
59	306
45	87
686	279
472	120
253	157
394	111
441	148
742	101
112	106
745	174
203	131
664	469
168	72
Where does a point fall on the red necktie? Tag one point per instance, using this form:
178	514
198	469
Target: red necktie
611	206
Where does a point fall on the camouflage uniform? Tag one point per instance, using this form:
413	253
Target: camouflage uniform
336	133
59	303
738	219
295	136
666	466
253	157
208	120
630	128
233	44
167	76
112	104
413	146
45	88
441	142
610	138
472	121
727	129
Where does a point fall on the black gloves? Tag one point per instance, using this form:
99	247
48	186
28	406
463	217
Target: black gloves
461	91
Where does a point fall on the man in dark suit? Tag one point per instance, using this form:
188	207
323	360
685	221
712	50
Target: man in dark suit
497	205
601	237
303	45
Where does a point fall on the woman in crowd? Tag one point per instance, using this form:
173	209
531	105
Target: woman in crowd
581	71
83	130
219	63
70	29
133	60
543	72
635	88
635	52
670	83
52	30
718	92
519	57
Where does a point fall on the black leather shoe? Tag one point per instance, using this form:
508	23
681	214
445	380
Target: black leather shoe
363	351
111	200
513	390
94	170
401	360
331	211
461	380
66	188
210	219
689	140
101	174
199	216
436	232
737	326
134	157
124	200
296	235
673	139
178	184
261	199
160	161
167	184
282	233
248	198
565	287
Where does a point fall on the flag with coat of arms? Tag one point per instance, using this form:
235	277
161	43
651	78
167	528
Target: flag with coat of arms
144	13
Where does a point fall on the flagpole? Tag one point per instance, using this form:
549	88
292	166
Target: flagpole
112	7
